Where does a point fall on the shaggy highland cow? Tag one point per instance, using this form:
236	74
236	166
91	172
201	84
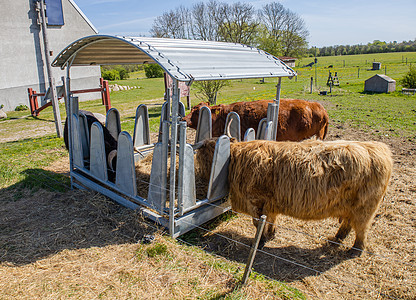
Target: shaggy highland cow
298	119
308	180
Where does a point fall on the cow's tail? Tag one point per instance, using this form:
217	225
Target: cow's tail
325	130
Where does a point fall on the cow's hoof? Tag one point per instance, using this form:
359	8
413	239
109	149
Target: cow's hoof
355	252
261	243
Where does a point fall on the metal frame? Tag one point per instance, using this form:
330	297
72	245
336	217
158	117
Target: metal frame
185	211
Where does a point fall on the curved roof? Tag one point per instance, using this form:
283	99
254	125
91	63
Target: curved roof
184	60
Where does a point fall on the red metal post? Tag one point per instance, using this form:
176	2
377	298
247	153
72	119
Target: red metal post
102	90
106	95
32	105
33	101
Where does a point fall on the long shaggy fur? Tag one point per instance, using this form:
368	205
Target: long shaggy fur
308	180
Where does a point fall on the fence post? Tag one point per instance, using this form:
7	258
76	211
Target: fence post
311	84
253	249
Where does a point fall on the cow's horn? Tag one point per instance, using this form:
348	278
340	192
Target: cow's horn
228	129
110	157
197	145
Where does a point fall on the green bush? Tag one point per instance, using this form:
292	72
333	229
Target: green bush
124	74
111	75
21	107
409	80
153	71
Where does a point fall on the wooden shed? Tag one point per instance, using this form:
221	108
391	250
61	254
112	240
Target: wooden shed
289	61
380	83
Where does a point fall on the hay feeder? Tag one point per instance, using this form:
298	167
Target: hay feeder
185	61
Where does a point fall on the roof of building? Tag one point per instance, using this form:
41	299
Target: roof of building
286	58
184	60
83	15
382	76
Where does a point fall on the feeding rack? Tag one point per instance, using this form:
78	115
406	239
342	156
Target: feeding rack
185	61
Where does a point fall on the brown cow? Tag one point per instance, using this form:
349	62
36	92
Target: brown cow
298	119
309	180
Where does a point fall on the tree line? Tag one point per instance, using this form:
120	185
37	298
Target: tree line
273	28
374	47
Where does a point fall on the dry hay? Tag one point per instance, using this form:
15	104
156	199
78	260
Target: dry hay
81	245
58	245
144	166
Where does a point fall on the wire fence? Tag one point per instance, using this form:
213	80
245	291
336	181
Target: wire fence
52	183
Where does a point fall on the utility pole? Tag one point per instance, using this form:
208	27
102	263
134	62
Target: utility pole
41	7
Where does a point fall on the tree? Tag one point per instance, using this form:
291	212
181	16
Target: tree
111	75
204	24
173	24
236	22
153	71
207	90
215	21
286	33
409	80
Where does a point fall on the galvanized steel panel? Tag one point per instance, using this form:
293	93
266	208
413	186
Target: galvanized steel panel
77	153
273	115
186	179
250	135
159	173
125	171
232	123
261	129
112	122
268	131
141	134
98	160
218	180
204	128
184	60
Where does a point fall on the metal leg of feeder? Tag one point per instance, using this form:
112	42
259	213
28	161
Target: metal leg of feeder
69	114
253	249
174	138
276	115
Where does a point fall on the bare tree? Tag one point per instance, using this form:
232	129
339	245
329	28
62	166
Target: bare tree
274	17
208	89
236	22
285	32
294	37
175	24
205	26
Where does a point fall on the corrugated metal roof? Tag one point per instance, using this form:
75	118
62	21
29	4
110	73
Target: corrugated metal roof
185	60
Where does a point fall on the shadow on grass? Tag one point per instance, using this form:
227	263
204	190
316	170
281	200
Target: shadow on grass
286	263
40	216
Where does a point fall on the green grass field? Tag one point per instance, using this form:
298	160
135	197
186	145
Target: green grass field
393	113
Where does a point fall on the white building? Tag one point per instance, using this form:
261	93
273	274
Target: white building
22	55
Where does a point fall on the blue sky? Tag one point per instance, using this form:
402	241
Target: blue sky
329	22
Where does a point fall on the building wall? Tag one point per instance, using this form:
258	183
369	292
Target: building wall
22	52
377	84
